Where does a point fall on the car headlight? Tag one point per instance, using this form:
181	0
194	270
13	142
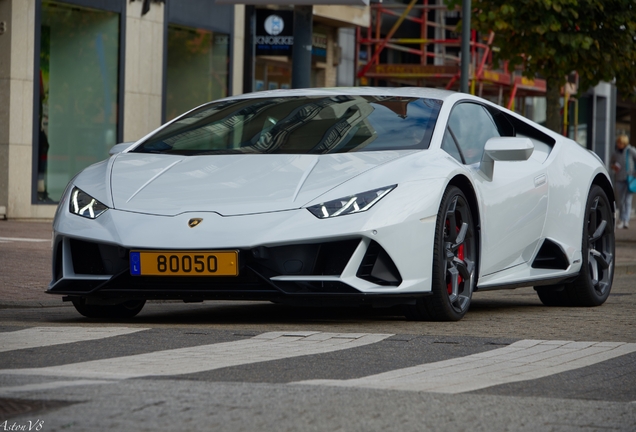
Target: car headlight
351	204
82	204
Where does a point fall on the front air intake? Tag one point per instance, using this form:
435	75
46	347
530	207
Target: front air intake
316	259
86	258
96	258
378	267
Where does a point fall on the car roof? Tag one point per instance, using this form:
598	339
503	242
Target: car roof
419	92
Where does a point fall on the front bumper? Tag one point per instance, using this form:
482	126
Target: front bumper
282	255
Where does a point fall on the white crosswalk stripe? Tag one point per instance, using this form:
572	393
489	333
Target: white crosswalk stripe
265	347
520	361
47	336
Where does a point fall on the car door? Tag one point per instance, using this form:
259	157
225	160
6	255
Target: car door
513	203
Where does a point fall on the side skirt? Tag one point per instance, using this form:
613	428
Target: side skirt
529	283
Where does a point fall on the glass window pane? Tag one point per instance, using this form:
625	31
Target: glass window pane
300	125
79	61
472	125
198	65
448	145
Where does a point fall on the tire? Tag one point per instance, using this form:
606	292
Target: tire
594	282
455	258
126	309
552	295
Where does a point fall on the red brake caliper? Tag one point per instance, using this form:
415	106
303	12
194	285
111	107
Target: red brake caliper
460	256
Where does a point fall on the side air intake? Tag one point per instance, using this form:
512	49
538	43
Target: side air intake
550	256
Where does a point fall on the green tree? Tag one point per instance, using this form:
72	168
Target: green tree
552	38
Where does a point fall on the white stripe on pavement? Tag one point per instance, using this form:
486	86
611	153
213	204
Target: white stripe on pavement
521	361
22	239
265	347
47	336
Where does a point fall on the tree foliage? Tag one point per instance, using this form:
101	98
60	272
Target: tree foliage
551	38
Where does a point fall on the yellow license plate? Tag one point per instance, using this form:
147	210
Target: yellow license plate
184	263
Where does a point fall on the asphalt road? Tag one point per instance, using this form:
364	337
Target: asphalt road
510	364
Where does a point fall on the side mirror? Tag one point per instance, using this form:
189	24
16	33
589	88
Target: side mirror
118	148
508	149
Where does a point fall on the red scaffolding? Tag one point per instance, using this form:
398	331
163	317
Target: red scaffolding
433	61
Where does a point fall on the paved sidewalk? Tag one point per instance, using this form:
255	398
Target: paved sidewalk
626	250
25	262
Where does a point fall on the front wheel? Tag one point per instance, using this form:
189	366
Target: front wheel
127	309
552	295
454	262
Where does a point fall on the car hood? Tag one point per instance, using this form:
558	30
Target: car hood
232	184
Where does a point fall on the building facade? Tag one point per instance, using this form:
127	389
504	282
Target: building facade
79	76
333	45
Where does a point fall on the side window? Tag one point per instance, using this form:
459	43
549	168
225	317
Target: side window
472	126
505	128
449	146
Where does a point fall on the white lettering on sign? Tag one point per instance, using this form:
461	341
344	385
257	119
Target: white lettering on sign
275	40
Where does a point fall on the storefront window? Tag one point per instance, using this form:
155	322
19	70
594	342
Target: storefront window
79	61
271	75
198	64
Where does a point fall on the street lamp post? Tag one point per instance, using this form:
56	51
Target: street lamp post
465	49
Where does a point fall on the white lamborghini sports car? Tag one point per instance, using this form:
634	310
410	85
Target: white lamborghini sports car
343	196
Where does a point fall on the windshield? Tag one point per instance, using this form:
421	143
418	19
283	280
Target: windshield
300	125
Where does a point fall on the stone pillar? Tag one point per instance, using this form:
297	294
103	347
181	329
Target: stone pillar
237	51
5	111
16	112
143	79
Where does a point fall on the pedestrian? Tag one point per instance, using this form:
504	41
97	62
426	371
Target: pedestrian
622	162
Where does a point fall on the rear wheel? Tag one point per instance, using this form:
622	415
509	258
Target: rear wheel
127	309
594	282
454	262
